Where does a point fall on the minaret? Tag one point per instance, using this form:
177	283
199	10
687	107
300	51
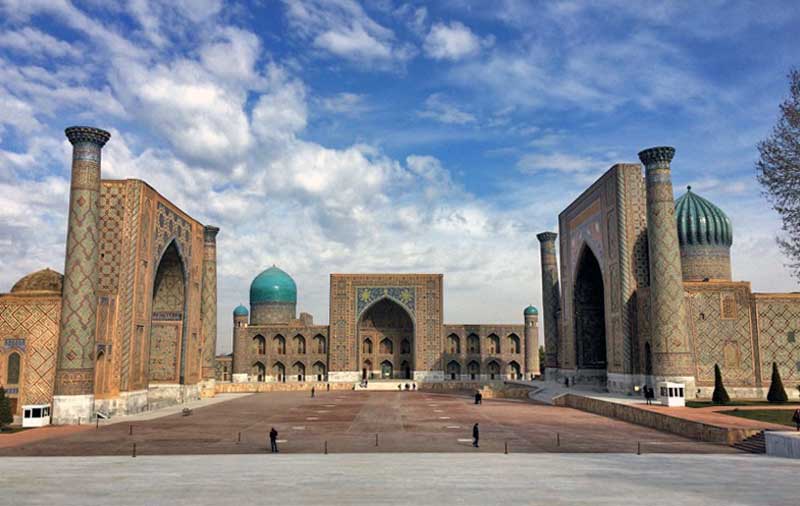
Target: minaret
669	337
532	367
551	297
208	300
239	368
74	384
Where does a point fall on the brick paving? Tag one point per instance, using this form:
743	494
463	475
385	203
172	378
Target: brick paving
349	422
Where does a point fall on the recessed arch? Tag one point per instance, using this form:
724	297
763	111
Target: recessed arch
167	343
453	344
299	371
513	370
389	326
13	368
259	371
493	344
279	372
320	371
589	312
279	344
493	369
473	344
320	344
260	344
514	344
474	370
453	370
299	344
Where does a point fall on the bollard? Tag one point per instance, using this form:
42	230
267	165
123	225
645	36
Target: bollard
130	430
638	447
558	439
506	447
97	423
376	439
326	447
134	450
239	438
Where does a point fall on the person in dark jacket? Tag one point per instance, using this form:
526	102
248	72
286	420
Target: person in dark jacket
273	440
796	418
313	391
476	434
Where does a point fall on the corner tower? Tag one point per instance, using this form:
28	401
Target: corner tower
532	366
673	357
74	385
705	235
208	300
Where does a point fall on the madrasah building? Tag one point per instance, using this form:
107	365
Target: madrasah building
640	290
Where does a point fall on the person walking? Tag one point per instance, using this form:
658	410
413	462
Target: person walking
476	434
313	390
796	418
273	440
477	397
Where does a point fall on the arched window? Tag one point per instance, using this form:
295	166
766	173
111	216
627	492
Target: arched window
514	371
319	344
474	370
387	347
299	344
366	347
453	370
405	347
279	345
12	375
493	368
514	344
494	344
319	371
473	344
260	344
453	344
299	371
279	372
259	371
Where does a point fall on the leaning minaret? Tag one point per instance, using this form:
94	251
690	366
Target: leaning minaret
551	294
669	337
208	300
74	385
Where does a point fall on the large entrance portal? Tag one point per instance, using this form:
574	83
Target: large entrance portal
167	360
590	323
386	337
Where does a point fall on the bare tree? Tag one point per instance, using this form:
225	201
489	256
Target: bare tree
778	171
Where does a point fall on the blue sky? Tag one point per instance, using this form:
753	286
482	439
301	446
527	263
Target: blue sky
334	136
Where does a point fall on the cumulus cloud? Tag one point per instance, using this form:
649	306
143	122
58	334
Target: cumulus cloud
348	104
452	41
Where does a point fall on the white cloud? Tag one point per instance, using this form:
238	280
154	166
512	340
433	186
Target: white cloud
452	42
342	28
31	41
348	104
438	108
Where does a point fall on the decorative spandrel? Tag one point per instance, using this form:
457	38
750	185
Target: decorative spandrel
403	295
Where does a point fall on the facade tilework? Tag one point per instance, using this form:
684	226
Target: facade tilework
779	337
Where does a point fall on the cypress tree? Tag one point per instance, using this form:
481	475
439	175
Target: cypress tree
720	395
6	416
776	392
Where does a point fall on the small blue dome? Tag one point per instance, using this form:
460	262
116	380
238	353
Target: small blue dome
273	285
240	311
531	311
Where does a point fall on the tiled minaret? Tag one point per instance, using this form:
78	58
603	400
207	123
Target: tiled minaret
551	295
532	366
208	300
669	337
74	385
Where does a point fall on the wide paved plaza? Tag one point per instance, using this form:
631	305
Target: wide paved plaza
360	422
419	479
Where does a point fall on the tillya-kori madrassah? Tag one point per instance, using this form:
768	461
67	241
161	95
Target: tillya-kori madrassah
638	290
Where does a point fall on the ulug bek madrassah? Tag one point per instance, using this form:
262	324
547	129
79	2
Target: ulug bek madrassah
638	290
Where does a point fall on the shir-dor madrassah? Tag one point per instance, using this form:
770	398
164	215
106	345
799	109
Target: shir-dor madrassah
644	294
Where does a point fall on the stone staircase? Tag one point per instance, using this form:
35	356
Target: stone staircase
753	444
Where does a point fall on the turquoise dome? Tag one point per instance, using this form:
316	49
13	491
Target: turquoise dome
531	310
701	223
273	285
240	311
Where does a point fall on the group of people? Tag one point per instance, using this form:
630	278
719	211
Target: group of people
649	394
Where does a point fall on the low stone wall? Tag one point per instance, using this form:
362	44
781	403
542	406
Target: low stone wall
660	421
244	388
783	444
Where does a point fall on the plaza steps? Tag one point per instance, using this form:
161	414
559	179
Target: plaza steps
387	385
753	444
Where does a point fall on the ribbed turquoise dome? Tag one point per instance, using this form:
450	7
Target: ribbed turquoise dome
531	310
701	223
240	311
273	285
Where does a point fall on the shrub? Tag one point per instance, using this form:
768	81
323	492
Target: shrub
6	416
776	392
720	395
